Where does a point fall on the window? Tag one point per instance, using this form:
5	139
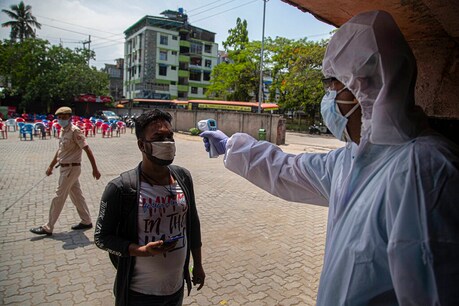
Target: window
173	83
195	75
208	63
174	52
163	70
204	90
196	48
206	76
195	61
208	48
173	67
163	40
174	37
194	90
163	55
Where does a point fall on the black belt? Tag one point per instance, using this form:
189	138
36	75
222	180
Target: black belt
72	164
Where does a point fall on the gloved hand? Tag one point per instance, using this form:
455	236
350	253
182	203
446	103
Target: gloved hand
217	138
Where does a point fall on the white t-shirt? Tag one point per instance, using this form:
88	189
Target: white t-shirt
162	214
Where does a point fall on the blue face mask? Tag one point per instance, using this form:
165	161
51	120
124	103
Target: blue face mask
333	118
63	123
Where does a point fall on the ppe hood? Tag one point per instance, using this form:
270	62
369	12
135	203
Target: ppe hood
372	58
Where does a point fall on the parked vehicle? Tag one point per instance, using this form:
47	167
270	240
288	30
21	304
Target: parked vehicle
314	129
107	115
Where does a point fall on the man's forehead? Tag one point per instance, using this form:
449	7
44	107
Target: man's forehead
157	124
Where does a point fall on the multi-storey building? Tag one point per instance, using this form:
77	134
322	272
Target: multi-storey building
115	78
167	58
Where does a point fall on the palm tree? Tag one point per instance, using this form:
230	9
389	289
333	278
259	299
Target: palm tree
22	23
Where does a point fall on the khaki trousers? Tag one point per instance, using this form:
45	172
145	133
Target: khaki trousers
68	185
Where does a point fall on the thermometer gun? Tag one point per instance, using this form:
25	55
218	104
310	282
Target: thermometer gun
209	125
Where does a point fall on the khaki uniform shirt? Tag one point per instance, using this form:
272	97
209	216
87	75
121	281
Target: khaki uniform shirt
71	145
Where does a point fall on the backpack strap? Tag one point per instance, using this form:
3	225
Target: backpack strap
182	176
129	181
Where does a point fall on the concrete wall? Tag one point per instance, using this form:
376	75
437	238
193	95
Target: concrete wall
228	122
437	91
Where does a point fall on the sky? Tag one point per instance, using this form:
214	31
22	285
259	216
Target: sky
70	22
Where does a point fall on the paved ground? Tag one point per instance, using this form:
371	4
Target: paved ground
257	249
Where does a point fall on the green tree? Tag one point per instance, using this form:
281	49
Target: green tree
57	75
22	23
237	79
238	36
296	67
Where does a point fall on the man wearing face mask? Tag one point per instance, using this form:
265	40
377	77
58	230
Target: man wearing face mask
144	208
68	158
392	191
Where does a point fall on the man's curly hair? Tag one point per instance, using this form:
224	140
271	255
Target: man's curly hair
148	117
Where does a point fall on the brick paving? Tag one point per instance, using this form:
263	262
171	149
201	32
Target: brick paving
257	249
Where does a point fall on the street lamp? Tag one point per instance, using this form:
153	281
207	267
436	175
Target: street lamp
260	91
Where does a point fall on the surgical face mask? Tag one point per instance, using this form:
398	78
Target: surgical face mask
162	152
332	116
63	122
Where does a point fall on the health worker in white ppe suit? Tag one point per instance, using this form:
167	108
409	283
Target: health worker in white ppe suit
392	190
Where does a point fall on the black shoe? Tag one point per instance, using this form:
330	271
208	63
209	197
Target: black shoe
80	226
40	231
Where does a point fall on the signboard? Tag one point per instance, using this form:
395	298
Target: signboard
226	107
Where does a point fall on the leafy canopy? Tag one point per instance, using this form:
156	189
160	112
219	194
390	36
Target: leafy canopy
22	23
293	65
57	74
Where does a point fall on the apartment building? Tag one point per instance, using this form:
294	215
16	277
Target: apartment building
167	58
115	78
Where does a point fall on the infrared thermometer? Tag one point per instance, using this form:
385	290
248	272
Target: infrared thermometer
209	125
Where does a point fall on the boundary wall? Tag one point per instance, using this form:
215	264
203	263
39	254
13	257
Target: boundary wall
228	122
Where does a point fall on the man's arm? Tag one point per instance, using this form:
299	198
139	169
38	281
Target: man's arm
49	171
106	236
95	171
198	271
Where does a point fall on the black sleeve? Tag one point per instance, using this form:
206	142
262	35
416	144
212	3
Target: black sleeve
107	236
195	223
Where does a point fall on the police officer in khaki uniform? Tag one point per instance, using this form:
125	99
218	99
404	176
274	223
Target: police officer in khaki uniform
71	145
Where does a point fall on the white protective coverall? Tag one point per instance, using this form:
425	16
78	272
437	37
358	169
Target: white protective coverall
393	220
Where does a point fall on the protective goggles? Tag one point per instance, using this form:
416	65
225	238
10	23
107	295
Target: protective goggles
327	82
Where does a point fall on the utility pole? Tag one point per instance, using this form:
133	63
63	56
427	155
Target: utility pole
89	47
260	91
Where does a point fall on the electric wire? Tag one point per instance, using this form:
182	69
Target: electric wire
113	42
77	25
208	17
203	6
211	8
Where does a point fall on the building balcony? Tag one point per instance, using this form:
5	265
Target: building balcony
182	88
184	58
184	43
184	73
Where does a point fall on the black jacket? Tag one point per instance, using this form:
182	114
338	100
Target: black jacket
116	226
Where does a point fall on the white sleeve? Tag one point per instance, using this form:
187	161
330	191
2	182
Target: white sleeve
304	178
423	215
